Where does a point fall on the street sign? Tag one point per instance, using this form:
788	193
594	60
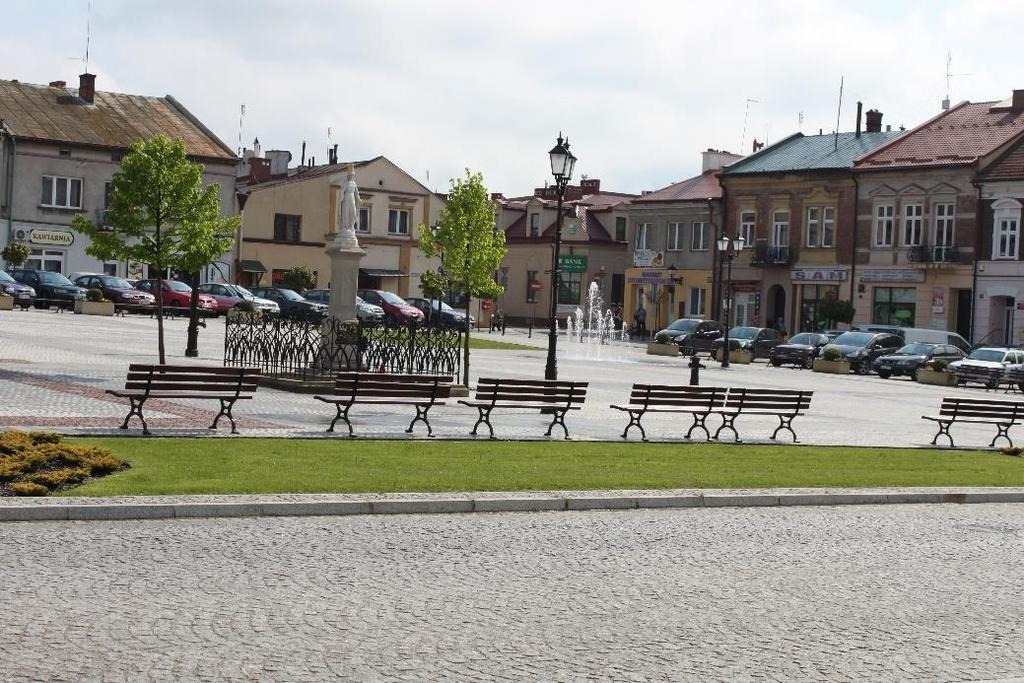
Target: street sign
572	264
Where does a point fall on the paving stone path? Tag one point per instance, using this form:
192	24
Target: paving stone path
867	593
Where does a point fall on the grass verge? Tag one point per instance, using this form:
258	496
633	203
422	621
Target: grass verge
183	466
486	343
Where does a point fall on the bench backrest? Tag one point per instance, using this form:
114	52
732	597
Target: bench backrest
201	379
392	385
983	408
555	392
775	400
678	395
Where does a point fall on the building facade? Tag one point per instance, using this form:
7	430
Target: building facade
59	148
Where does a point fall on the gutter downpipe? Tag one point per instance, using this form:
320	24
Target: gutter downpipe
856	230
10	183
716	265
978	227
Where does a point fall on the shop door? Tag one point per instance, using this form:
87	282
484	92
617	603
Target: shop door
964	302
46	259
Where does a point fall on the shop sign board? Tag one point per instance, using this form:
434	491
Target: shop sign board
819	274
569	263
892	275
648	258
51	238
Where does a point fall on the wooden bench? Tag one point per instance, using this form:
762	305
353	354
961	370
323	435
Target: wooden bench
988	378
667	398
1002	414
555	396
187	381
784	404
423	392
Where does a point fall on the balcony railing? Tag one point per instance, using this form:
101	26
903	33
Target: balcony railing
930	254
771	255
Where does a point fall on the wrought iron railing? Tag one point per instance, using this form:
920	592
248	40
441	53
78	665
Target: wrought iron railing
933	254
771	255
312	349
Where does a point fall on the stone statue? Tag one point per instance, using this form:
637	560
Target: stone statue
348	212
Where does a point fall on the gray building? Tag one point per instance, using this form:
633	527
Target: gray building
59	148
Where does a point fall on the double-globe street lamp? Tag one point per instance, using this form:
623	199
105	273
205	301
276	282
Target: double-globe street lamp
562	162
728	250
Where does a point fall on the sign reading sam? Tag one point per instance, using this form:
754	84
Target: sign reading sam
53	238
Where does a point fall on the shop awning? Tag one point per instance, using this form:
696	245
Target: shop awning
382	272
253	266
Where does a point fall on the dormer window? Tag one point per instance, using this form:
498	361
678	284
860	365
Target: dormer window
1006	229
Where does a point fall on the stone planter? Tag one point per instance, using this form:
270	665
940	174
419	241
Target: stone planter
6	303
942	379
662	349
94	307
836	367
738	356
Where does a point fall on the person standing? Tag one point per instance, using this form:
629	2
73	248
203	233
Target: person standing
640	318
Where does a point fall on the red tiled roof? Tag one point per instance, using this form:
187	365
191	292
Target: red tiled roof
114	120
704	186
957	137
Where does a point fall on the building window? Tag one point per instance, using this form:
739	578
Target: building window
884	214
620	229
675	236
531	295
277	276
1006	228
912	224
828	227
51	260
398	222
747	227
641	235
895	306
534	225
569	288
810	296
110	268
943	225
62	193
699	236
618	289
780	229
363	224
813	226
697	301
287	228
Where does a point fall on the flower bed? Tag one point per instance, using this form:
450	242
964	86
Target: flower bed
37	463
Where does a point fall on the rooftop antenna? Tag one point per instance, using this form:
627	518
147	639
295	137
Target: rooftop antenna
746	116
839	112
800	121
88	33
950	75
241	117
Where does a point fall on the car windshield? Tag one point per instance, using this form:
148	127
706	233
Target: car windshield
805	338
290	294
48	278
116	283
683	325
992	355
743	332
918	349
176	286
5	277
392	298
853	339
243	291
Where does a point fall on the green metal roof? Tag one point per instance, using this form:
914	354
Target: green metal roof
801	152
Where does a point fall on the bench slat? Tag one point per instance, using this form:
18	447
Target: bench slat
530	382
189	386
206	369
546	398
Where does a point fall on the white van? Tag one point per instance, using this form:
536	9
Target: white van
912	335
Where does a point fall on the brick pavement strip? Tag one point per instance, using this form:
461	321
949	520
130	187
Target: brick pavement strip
802	593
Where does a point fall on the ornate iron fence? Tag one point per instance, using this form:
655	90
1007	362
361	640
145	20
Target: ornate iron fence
308	349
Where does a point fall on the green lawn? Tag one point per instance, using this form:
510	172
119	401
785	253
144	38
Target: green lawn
213	465
476	342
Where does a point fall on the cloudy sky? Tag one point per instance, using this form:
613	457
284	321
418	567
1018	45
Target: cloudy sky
437	86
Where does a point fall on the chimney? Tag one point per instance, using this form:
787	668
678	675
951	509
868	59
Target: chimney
860	106
1017	103
334	153
87	87
873	121
302	162
58	84
256	151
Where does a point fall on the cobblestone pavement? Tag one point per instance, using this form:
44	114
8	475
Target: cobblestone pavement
868	593
54	370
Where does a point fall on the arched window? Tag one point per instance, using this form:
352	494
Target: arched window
1005	229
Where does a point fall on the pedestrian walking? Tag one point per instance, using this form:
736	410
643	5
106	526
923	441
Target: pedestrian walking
640	318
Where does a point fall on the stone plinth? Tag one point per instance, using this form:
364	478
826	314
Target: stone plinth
345	260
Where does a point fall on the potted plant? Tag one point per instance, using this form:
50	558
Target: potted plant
94	303
6	302
737	354
936	372
832	361
662	345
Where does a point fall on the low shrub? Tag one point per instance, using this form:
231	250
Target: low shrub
832	354
95	294
940	365
246	306
36	463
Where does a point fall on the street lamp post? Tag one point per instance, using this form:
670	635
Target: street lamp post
562	162
728	250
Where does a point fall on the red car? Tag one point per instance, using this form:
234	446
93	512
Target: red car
397	311
178	295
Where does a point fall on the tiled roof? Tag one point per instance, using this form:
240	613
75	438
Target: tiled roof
1008	166
114	120
605	199
801	152
956	137
704	186
297	175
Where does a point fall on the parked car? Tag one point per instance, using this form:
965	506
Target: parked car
440	314
116	289
800	349
176	294
693	335
911	357
759	340
51	288
921	334
396	310
860	349
23	294
292	304
366	312
230	296
993	358
259	303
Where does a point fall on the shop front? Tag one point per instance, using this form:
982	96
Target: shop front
811	286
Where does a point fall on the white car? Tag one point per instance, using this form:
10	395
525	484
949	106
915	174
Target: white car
992	358
261	304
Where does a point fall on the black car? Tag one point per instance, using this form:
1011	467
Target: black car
23	294
800	349
909	359
758	340
693	335
367	313
860	349
292	304
117	289
443	316
51	288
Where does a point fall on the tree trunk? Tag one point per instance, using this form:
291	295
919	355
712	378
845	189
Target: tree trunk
192	342
160	318
465	347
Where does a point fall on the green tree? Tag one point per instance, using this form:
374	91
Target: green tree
161	215
299	278
15	254
470	246
833	310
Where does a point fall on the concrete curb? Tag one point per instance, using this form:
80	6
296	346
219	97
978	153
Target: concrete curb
456	504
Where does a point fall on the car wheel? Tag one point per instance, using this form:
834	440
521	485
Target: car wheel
884	375
809	362
862	369
389	320
776	363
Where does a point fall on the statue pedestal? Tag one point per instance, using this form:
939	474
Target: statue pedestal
344	280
